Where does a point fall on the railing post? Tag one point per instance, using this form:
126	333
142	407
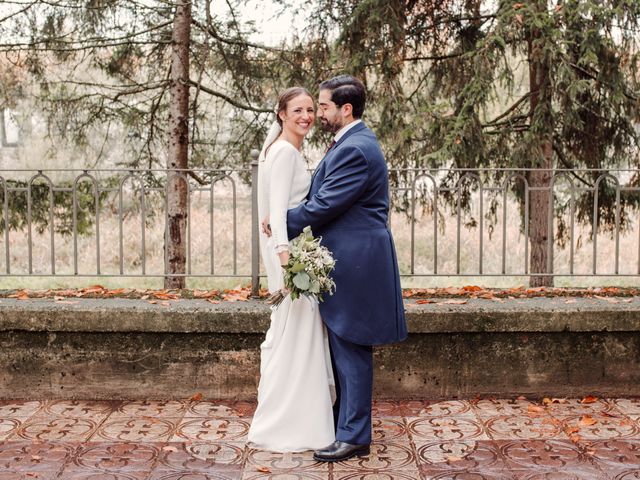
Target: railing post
255	239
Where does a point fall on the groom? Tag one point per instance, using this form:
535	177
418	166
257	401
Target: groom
348	206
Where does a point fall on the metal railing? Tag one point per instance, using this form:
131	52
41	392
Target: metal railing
456	222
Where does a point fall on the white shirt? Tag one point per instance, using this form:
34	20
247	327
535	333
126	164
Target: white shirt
345	129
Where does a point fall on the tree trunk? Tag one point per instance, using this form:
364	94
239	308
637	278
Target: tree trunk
178	148
540	208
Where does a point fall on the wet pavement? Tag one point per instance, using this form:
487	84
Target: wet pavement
585	438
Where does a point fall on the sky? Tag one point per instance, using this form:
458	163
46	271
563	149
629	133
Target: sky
272	29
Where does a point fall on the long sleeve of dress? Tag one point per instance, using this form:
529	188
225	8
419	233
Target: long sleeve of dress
280	183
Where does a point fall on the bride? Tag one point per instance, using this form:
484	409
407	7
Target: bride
296	389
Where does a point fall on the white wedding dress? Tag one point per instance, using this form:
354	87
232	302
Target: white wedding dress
296	389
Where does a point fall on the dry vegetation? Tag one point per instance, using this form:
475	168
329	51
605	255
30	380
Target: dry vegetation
231	250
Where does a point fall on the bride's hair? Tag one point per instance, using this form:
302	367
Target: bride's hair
286	96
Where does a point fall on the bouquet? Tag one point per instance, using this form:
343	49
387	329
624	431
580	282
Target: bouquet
308	269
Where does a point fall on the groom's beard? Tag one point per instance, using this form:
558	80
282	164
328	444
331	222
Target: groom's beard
327	126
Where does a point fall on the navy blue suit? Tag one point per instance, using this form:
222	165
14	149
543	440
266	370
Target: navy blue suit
348	206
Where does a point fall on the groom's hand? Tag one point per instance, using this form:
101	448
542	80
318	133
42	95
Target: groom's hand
266	227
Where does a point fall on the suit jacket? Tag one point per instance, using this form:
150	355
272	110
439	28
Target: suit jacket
348	205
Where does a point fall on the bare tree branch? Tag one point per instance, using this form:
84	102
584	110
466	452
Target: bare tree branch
229	100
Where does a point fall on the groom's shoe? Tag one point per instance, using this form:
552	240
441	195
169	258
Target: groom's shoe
339	451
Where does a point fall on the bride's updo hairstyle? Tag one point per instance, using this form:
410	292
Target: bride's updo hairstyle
285	97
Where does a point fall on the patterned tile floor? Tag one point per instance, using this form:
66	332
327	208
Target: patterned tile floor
462	440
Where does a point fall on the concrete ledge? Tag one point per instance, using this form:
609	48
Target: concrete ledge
119	348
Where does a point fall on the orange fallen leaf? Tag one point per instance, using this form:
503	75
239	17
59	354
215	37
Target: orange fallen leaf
454	458
589	399
575	438
423	301
571	430
535	409
117	291
587	420
213	301
472	288
197	397
204	293
165	296
263	469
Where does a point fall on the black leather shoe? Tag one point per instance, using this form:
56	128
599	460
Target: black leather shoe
338	451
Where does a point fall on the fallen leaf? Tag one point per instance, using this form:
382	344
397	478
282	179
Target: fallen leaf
589	399
204	293
607	414
571	430
197	397
165	295
453	301
472	288
575	438
423	301
263	469
454	458
535	409
587	420
453	291
606	299
213	301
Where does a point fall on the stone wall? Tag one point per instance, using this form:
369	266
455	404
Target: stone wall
108	349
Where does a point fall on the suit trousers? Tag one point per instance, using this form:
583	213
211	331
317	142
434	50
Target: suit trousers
353	371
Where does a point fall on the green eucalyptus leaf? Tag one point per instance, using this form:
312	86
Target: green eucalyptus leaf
301	280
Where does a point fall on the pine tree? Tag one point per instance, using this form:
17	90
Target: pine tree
437	71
